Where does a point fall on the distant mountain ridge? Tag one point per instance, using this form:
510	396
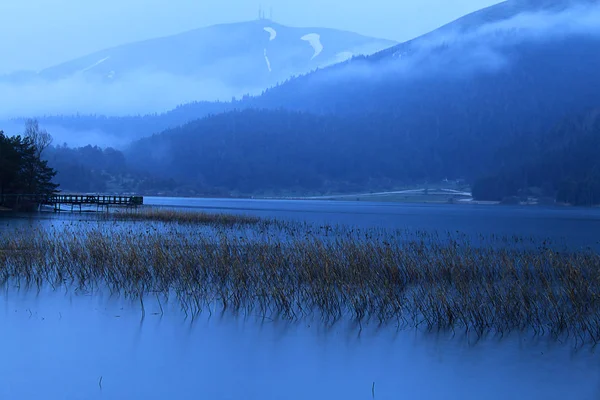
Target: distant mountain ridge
493	14
253	54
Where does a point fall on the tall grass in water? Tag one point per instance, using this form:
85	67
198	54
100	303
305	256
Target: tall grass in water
183	217
306	272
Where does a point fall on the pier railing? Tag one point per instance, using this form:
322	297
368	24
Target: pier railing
79	200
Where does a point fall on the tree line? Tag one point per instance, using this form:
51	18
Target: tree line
282	152
92	169
562	163
23	171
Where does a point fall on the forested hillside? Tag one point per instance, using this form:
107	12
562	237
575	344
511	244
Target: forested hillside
265	151
257	151
563	163
92	169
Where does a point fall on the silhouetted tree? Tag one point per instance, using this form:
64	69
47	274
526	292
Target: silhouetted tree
22	171
40	138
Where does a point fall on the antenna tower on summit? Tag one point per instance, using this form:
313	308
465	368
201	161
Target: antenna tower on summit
262	14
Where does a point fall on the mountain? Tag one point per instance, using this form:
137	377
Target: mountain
481	65
476	98
472	22
484	98
252	54
496	56
217	62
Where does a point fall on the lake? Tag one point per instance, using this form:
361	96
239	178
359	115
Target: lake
566	227
66	345
57	346
572	226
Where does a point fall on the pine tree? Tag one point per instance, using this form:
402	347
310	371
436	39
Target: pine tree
22	171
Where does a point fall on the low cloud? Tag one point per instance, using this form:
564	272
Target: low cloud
143	91
136	93
69	137
458	52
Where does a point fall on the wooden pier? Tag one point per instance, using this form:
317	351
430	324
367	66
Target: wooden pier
101	202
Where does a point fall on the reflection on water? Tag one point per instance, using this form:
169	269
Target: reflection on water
58	346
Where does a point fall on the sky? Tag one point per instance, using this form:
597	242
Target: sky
36	34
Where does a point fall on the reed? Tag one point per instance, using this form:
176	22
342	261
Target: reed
152	214
295	271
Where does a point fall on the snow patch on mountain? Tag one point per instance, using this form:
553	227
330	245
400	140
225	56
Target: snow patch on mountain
268	61
314	39
95	64
271	32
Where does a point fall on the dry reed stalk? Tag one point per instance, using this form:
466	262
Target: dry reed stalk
294	271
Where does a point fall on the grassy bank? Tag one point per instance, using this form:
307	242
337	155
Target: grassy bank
295	272
450	194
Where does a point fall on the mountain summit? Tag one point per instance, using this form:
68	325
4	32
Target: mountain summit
248	55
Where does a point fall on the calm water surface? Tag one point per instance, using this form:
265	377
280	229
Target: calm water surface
573	227
58	345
